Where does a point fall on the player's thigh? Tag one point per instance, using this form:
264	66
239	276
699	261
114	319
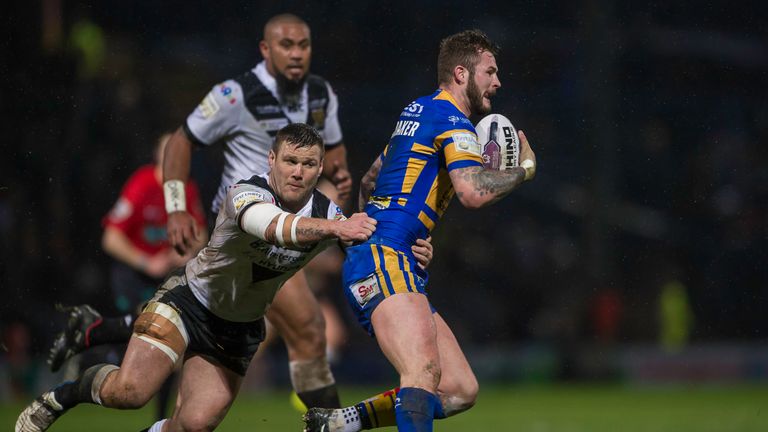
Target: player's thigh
295	311
457	379
143	370
406	333
206	392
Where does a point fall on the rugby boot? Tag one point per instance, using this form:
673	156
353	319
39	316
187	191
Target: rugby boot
323	420
40	414
74	337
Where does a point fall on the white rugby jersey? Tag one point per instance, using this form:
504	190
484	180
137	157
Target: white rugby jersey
237	274
246	114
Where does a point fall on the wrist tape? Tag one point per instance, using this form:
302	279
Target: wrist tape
175	199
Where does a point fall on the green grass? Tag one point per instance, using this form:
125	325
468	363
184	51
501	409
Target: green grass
499	409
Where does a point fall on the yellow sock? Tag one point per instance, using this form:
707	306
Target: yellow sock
378	411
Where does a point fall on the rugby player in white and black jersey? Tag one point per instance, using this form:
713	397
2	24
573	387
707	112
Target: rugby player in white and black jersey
245	113
209	315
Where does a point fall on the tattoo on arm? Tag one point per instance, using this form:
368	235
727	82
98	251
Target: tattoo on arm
309	234
492	182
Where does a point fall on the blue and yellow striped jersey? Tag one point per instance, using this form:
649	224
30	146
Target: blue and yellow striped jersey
431	138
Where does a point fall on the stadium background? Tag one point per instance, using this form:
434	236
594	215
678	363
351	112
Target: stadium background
636	258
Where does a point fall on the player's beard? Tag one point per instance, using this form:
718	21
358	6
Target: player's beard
289	91
475	98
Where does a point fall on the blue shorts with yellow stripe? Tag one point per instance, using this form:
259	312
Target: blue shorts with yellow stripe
373	272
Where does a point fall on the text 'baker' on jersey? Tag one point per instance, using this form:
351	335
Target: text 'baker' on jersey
246	114
413	189
237	275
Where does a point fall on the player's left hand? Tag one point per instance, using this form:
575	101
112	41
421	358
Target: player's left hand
342	180
423	252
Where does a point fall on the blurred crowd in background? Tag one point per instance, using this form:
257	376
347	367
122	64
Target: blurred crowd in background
647	222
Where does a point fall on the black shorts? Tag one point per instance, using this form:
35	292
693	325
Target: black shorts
232	344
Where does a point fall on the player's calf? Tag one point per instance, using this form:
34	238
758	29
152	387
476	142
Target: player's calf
314	383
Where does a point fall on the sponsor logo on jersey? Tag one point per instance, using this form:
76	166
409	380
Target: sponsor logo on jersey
466	142
412	110
246	197
268	109
406	128
278	259
273	125
318	117
209	106
226	91
339	214
456	119
317	103
154	234
365	290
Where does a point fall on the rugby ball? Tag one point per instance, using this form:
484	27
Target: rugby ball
499	141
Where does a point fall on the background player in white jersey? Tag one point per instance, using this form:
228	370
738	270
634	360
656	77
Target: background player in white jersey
245	113
210	314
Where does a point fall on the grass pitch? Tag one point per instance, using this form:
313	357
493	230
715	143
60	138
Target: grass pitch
519	409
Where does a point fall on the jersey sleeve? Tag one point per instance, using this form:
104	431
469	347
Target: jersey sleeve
243	195
218	115
459	146
332	131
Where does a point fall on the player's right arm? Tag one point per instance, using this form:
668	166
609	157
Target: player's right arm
269	223
183	233
217	116
256	212
477	187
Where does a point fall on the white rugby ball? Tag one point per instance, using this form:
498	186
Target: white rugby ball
499	141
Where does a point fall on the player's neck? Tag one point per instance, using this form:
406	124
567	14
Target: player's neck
459	97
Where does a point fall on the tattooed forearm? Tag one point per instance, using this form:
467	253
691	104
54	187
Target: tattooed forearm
310	234
492	182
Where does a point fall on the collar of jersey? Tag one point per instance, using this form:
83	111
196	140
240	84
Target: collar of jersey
305	211
446	96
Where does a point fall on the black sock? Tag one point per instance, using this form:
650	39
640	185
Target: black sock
110	330
325	397
75	392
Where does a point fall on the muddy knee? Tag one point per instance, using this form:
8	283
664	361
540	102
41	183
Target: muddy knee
459	396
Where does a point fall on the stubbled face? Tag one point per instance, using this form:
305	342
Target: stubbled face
287	49
483	85
294	172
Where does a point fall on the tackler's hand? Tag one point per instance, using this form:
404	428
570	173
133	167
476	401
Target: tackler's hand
182	231
359	227
423	252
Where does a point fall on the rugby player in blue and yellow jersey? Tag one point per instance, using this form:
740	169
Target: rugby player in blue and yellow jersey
432	155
